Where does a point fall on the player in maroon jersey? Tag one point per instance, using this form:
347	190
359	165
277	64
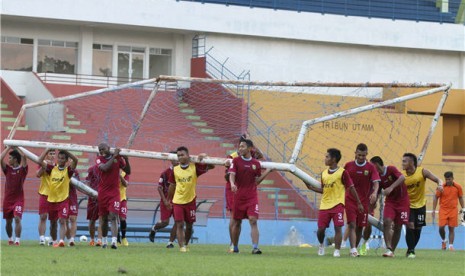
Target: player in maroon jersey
166	211
71	222
366	181
13	198
245	176
92	180
397	204
109	166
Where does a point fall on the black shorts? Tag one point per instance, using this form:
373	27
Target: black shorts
418	216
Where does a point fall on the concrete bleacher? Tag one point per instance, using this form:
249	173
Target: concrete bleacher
416	10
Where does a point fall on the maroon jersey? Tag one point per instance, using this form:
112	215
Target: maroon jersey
15	177
363	177
163	181
93	177
388	177
109	181
246	173
72	189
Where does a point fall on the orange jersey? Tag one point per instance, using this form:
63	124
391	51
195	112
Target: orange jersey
449	198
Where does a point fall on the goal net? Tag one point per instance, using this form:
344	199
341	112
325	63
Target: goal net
156	116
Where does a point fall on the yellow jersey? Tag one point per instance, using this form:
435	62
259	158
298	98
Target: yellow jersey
334	190
416	188
44	184
59	184
186	181
122	189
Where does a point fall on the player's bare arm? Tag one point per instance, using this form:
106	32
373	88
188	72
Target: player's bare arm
171	191
107	166
74	158
262	177
394	185
42	158
202	156
374	194
123	181
429	175
162	197
4	153
127	168
232	180
435	203
359	203
23	157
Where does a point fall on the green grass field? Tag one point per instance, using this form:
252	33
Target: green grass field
155	259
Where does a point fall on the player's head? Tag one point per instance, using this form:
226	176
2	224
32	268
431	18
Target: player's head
14	158
449	177
50	155
174	162
183	155
62	158
245	147
378	162
104	149
409	161
333	156
361	153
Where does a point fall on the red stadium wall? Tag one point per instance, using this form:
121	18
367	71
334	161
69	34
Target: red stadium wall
222	110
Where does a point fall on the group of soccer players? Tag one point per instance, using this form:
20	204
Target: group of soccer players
352	190
405	202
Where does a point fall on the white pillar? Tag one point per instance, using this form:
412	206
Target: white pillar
461	84
180	59
85	51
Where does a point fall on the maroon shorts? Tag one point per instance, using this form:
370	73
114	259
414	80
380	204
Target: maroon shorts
92	209
123	209
108	205
229	195
12	210
245	210
398	212
336	214
58	210
165	213
353	215
73	205
43	204
185	212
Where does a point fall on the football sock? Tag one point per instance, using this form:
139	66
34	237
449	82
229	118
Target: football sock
417	236
364	241
236	248
352	250
255	245
42	238
17	240
113	239
410	239
123	229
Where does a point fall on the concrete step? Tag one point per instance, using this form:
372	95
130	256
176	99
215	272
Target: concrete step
76	130
227	145
286	204
77	153
193	117
83	160
61	137
183	104
273	196
8	119
267	182
4	105
291	212
73	123
229	152
6	112
188	110
206	130
199	124
212	138
18	128
70	116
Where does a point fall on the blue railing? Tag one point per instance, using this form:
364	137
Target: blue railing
415	10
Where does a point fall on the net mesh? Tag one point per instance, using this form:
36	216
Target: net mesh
210	117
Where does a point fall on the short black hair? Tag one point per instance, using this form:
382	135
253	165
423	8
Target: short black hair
248	142
449	174
182	148
412	156
377	160
362	147
15	154
64	153
334	153
173	152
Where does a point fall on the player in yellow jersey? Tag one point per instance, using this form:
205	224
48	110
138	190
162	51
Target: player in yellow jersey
334	182
60	176
123	207
43	194
183	181
415	180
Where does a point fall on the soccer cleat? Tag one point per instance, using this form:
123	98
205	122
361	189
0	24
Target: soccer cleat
99	243
11	242
71	243
152	235
104	246
336	254
444	245
321	250
388	253
363	249
125	242
61	244
411	255
256	251
451	247
50	243
113	246
42	242
343	244
170	245
183	249
55	244
354	254
17	243
92	243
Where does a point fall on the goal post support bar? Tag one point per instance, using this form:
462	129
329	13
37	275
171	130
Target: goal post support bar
306	178
307	124
83	188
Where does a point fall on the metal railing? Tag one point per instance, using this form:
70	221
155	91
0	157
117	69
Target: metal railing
414	10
